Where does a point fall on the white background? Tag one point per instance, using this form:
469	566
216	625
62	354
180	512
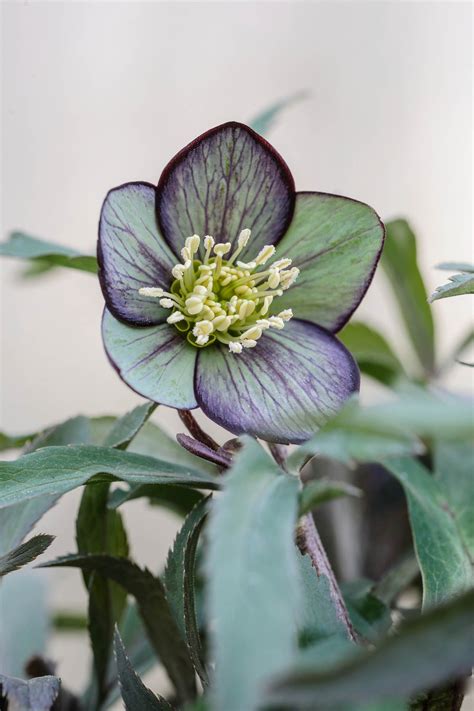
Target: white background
97	94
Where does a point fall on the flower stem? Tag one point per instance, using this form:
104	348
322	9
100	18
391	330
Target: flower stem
278	452
189	421
309	542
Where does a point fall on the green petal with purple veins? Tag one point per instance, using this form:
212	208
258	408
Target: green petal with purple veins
336	243
132	254
227	180
157	362
282	390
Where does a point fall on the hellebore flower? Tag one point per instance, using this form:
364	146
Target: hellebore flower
224	287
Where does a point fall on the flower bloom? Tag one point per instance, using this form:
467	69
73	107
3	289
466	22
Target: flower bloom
224	287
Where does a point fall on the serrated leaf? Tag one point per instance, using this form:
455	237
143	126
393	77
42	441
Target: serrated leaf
49	254
150	595
56	470
430	650
24	554
444	563
319	491
456	267
127	427
372	351
34	695
399	261
179	584
264	121
135	695
458	285
252	571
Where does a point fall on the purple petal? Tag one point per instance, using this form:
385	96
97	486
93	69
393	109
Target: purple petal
156	362
132	254
282	390
226	180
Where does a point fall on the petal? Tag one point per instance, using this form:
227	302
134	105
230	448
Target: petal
156	362
226	180
282	390
132	254
336	243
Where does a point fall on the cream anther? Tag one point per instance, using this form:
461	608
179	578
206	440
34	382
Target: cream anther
222	249
265	254
235	347
154	291
192	244
167	303
175	317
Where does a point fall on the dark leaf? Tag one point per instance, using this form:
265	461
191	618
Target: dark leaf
126	427
151	599
373	353
178	499
136	696
399	260
24	554
319	491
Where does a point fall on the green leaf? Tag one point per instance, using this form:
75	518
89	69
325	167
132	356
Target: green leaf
399	260
370	616
389	428
427	651
264	121
100	530
396	579
179	584
136	696
319	491
453	469
178	499
444	563
14	441
24	554
252	569
127	427
36	694
373	353
456	267
458	285
150	595
317	617
69	621
56	470
24	246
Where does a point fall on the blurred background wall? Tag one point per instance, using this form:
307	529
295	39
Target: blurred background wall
97	94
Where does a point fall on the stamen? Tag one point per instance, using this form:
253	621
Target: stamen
175	317
154	291
235	347
265	254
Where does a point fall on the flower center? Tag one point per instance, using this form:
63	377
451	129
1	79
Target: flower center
222	298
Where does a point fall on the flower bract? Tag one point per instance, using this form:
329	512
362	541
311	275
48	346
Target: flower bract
224	287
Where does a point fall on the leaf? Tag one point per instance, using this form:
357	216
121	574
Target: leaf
456	267
453	469
252	571
373	353
264	121
444	563
317	617
36	694
319	491
150	595
458	285
14	441
178	499
24	246
396	579
99	530
136	696
389	429
24	554
430	650
179	583
399	261
125	428
17	521
56	470
370	616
